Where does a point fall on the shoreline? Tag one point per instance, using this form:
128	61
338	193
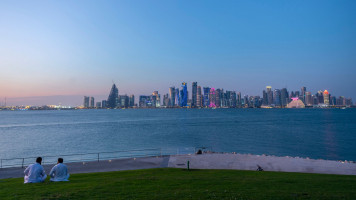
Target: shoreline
204	161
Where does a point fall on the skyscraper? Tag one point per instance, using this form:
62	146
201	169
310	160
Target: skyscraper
86	102
303	90
166	100
265	98
218	98
277	97
326	97
206	98
172	97
123	101
199	98
158	98
184	95
232	99
132	100
269	95
103	104
212	98
308	99
284	97
113	97
92	102
239	100
320	97
177	99
194	94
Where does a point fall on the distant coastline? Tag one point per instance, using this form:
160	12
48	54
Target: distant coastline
46	107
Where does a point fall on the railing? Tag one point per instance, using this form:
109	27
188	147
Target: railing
85	157
81	157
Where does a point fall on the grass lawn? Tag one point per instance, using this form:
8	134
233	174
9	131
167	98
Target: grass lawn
170	183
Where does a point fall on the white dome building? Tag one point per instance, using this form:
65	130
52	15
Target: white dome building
296	103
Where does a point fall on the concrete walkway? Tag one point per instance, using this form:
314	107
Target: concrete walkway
268	163
204	161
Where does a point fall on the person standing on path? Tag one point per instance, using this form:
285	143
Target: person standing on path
35	173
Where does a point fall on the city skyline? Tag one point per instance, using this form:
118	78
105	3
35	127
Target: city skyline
58	52
185	97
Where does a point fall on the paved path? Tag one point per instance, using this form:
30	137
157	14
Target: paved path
204	161
268	163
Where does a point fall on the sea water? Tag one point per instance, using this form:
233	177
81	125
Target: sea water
314	133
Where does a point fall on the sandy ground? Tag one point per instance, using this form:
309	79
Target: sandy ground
204	161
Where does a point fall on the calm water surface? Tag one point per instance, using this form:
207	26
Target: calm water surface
315	133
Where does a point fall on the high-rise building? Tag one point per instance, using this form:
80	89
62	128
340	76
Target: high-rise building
92	102
308	99
319	96
303	90
218	97
132	100
284	97
265	98
326	96
177	99
333	100
212	98
172	97
239	100
98	104
123	101
113	97
232	99
166	100
103	104
184	95
199	97
277	97
246	101
269	95
158	99
194	94
86	102
206	98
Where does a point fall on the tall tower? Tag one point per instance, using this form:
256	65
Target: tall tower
86	102
194	94
326	97
113	97
277	97
206	99
284	97
172	96
269	95
308	99
184	95
199	98
212	98
303	90
92	102
158	98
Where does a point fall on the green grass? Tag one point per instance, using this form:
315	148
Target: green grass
169	183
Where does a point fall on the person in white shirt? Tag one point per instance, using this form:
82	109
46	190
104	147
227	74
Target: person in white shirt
35	173
59	172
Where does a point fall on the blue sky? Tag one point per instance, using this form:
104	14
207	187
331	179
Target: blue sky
76	48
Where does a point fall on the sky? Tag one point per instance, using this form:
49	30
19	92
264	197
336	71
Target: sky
59	51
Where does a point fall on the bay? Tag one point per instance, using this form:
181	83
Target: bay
314	133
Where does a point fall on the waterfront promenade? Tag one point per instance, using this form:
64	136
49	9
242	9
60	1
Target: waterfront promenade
204	161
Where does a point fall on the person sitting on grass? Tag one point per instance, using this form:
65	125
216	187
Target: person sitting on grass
59	172
35	173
